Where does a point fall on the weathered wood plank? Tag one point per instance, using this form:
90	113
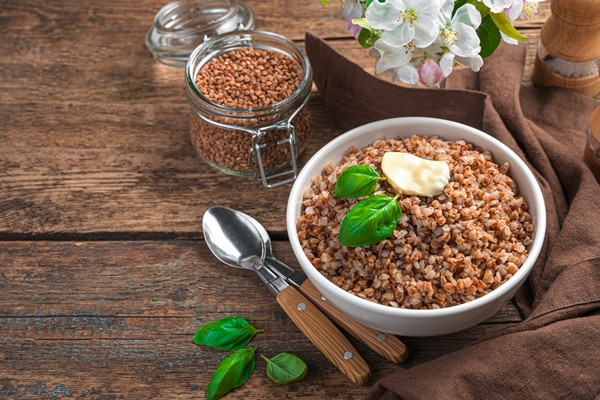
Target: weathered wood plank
117	318
171	366
153	369
94	325
104	169
126	279
291	18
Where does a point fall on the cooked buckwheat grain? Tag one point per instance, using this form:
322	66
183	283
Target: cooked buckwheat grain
446	250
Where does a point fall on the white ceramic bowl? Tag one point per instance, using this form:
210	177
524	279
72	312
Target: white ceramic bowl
408	322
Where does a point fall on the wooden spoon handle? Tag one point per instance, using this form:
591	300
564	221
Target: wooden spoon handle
386	345
324	334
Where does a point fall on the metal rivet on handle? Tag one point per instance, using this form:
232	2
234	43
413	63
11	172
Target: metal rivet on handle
348	355
382	337
323	298
301	306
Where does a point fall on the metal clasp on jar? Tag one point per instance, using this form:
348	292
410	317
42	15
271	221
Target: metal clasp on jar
260	172
255	152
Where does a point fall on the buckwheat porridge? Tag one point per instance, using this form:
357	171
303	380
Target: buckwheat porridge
446	250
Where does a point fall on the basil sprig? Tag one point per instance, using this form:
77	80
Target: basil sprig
374	218
285	368
356	181
232	372
370	221
231	333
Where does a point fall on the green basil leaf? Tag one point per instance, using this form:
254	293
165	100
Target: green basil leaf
356	181
285	368
502	22
231	333
325	3
233	372
370	221
489	36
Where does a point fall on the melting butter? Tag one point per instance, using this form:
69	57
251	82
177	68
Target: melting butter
409	174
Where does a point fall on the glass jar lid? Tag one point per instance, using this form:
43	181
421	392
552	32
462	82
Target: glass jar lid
182	25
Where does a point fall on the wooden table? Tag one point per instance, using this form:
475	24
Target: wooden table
104	274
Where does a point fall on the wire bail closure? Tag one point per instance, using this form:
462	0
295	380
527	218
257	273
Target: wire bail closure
255	153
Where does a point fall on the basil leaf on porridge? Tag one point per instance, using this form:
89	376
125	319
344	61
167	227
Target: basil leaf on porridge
356	181
370	221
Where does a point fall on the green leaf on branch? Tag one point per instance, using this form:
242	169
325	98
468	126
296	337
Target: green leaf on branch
233	372
370	221
489	36
231	333
367	35
285	368
356	181
506	27
325	3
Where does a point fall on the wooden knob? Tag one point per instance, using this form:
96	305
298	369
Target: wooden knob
572	32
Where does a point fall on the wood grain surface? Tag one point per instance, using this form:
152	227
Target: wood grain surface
117	318
95	132
104	276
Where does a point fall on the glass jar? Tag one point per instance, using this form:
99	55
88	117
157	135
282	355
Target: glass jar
592	148
262	142
182	25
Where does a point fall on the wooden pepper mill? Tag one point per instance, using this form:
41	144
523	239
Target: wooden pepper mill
569	47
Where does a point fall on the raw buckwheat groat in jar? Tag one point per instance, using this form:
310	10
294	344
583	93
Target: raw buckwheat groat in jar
248	92
447	249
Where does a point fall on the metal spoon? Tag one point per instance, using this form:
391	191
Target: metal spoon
388	346
236	242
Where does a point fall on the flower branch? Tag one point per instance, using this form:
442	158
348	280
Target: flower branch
423	40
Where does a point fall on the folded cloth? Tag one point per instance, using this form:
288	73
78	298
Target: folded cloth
555	352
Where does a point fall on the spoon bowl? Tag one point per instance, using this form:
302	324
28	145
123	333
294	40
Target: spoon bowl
232	238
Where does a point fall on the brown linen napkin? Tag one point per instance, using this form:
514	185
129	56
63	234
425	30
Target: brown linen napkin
555	352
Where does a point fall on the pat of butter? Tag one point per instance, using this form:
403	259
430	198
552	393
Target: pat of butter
409	174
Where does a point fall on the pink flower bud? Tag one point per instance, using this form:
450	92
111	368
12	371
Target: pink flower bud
430	73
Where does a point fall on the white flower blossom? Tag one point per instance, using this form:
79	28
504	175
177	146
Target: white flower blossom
497	6
458	33
530	8
406	73
391	56
448	60
395	61
521	9
421	40
404	21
